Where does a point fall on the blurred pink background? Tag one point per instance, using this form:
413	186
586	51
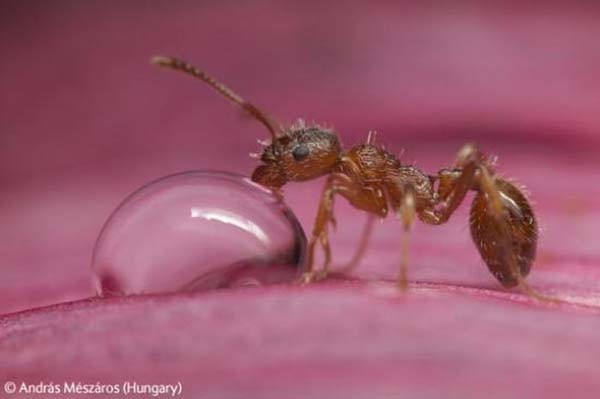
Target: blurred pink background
85	120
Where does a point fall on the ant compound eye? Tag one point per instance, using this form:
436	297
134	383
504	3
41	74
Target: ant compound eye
300	152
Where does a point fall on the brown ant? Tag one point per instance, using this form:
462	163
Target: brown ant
372	179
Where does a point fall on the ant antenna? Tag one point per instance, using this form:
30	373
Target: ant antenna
182	66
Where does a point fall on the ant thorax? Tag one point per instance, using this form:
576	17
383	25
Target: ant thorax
373	163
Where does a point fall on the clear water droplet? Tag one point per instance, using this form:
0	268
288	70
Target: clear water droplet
196	231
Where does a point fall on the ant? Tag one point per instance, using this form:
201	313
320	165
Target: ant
502	223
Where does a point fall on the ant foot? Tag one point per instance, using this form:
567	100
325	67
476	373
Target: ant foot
532	293
313	276
321	275
307	278
402	283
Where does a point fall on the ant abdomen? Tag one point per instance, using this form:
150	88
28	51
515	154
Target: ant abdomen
491	234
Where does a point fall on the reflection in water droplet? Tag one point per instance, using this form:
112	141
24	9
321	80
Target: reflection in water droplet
195	231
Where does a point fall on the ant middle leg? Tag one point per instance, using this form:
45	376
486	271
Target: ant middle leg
362	246
407	213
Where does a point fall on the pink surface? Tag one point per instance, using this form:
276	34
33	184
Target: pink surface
85	120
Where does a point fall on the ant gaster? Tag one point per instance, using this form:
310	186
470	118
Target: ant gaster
503	226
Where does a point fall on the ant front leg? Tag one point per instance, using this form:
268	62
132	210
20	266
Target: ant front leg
369	199
320	232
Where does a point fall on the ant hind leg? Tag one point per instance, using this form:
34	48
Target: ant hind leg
503	226
515	230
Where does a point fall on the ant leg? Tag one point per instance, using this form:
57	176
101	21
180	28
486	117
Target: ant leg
320	232
505	237
407	213
362	246
473	172
361	197
455	183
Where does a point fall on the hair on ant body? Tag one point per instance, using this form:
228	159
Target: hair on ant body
502	222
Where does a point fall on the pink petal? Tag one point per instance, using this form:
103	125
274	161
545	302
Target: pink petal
86	119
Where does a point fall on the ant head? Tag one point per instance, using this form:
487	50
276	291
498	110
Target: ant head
301	153
295	154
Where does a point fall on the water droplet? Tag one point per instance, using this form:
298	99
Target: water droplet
195	231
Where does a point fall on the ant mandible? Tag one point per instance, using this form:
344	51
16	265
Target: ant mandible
503	226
